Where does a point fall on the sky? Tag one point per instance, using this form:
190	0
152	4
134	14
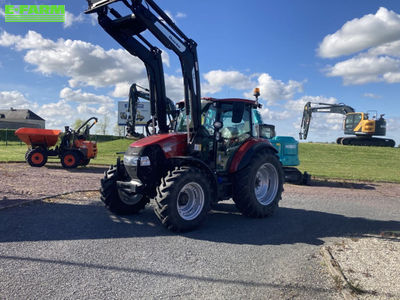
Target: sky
294	51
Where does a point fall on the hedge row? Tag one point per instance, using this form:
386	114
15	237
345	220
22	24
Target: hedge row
8	135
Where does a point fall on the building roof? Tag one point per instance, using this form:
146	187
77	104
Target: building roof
18	114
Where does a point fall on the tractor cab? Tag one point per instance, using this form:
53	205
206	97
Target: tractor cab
226	124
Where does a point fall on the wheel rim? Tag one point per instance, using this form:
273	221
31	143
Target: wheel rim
37	158
266	184
69	160
190	201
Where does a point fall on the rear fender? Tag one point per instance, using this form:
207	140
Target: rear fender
246	152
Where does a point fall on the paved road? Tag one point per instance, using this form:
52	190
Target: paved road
72	248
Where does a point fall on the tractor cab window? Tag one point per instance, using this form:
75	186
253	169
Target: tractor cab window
208	118
257	121
232	134
233	130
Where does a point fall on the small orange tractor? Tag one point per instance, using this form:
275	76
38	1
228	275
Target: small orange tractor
74	150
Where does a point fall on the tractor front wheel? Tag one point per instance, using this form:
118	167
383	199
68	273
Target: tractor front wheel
258	187
36	157
70	160
115	201
183	198
85	161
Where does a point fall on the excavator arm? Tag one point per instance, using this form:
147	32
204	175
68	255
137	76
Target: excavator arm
312	107
136	92
127	31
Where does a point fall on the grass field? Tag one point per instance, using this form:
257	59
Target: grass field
320	160
350	162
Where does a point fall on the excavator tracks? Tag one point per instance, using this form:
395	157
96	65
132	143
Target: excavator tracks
365	141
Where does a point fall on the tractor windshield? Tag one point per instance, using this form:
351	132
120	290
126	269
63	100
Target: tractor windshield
207	118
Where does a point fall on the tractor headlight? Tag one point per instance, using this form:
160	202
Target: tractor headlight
144	161
134	161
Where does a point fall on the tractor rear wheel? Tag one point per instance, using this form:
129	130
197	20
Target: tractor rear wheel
36	157
183	198
258	187
112	198
70	159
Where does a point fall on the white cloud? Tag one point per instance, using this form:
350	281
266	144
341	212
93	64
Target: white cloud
2	13
84	63
364	69
380	34
15	99
273	90
174	87
121	90
181	15
93	19
372	95
88	103
32	40
165	58
269	115
82	97
359	34
217	79
74	104
58	114
71	19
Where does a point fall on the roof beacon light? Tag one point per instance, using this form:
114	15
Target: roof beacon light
256	94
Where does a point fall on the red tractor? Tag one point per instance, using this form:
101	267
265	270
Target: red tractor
74	150
209	150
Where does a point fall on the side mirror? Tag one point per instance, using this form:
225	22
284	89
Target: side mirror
238	111
266	131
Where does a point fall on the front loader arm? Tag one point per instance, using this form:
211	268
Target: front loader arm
127	31
151	56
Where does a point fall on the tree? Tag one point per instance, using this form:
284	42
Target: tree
77	123
118	130
103	125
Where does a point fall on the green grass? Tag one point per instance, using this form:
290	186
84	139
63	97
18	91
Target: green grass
327	161
107	151
350	162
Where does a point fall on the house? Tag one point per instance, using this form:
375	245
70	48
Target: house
17	118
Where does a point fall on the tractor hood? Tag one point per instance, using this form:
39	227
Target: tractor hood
172	144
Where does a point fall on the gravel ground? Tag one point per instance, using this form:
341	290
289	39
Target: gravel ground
20	182
370	262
